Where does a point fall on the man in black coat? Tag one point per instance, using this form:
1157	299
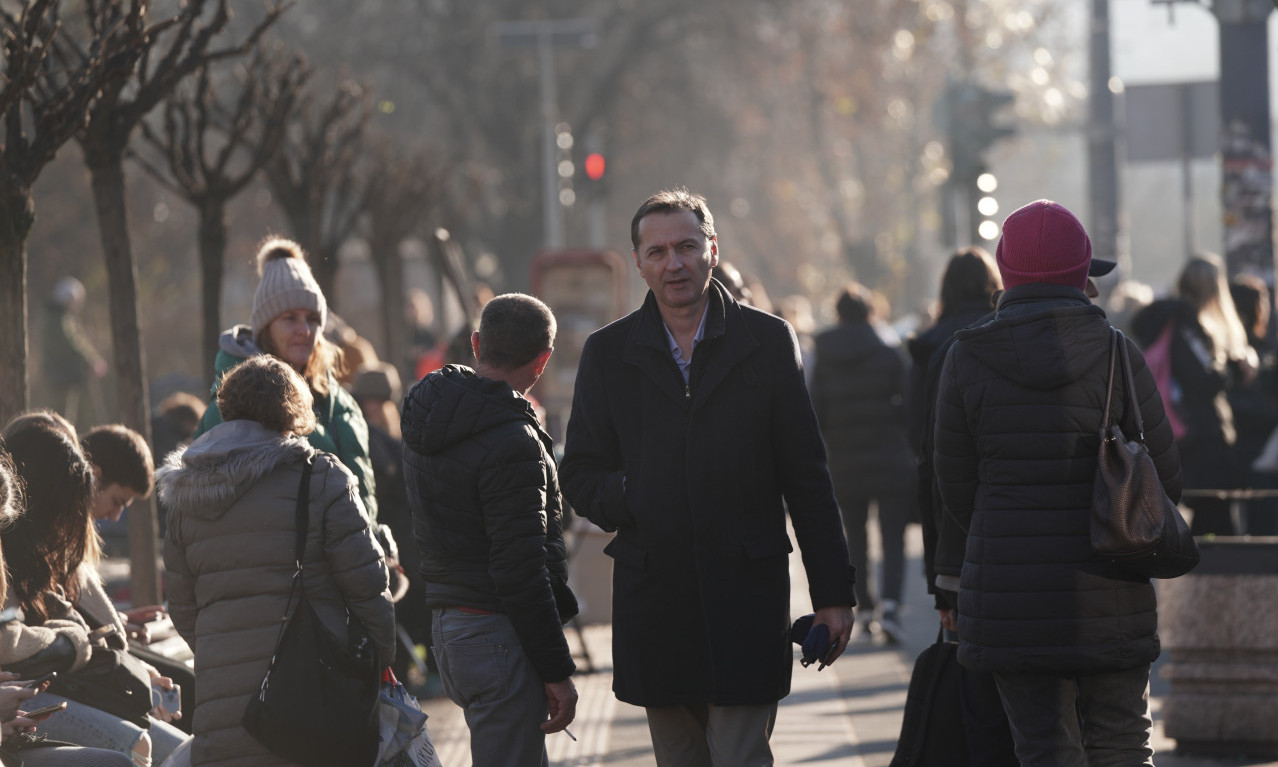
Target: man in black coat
1068	636
691	432
488	519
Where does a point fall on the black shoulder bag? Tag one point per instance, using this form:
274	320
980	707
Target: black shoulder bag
1134	523
317	705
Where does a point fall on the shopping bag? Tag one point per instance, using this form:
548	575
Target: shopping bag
402	727
932	727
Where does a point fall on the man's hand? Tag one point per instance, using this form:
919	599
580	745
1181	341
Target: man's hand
948	620
562	699
838	621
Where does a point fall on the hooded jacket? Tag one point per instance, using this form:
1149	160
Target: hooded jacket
340	427
229	556
1018	424
484	492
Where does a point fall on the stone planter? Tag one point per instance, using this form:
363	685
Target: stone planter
1219	630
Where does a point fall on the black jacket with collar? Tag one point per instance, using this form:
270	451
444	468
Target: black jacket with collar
1017	433
487	513
701	569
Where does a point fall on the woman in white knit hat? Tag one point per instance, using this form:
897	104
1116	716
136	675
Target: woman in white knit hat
289	314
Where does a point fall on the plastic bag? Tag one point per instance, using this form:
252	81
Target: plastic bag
402	727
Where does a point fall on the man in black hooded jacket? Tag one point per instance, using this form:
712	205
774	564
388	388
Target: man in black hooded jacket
488	519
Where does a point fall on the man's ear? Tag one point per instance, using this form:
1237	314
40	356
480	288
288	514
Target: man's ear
474	343
635	253
539	363
714	252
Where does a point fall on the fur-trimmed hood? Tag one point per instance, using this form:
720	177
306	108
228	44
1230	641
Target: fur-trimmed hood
216	469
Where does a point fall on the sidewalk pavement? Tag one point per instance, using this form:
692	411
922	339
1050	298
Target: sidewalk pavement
849	714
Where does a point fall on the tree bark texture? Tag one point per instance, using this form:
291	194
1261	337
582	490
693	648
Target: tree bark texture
17	212
212	266
390	276
130	363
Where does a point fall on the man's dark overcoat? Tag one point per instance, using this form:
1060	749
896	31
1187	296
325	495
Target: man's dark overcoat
692	479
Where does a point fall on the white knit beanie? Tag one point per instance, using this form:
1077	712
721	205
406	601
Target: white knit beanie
286	284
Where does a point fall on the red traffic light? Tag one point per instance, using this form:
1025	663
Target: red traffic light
595	165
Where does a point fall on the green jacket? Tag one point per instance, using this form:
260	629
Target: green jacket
340	428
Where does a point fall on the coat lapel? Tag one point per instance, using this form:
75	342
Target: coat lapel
727	342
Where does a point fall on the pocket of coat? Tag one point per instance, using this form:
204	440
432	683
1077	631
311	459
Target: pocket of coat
771	546
624	552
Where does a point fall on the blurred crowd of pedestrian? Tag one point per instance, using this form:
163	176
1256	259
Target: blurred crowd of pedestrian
442	526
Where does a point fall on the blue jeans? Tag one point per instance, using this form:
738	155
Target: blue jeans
485	671
88	726
1083	720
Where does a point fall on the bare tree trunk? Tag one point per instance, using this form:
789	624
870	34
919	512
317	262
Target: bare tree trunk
212	265
390	275
17	212
130	365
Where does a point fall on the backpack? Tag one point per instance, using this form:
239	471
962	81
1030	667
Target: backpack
1158	358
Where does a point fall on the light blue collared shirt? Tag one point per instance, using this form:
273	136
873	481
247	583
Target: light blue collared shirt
685	365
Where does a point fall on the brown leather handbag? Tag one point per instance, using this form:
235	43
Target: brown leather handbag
1134	523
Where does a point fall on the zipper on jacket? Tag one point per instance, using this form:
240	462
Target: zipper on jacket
687	392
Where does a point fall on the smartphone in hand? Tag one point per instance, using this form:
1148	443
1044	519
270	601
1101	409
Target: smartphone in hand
40	714
36	683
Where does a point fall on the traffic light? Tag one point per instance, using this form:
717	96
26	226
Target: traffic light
565	167
973	124
971	116
595	166
987	207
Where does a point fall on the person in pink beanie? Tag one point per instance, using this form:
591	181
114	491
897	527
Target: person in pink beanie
1068	637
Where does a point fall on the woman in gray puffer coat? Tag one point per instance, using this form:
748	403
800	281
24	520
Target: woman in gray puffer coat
230	552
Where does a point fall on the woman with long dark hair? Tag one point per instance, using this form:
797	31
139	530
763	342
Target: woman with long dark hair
51	553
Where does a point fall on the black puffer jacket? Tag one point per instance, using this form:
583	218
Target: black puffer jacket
487	514
858	393
1017	432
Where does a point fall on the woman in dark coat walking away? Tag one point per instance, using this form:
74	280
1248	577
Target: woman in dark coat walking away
967	292
1209	354
1068	637
858	393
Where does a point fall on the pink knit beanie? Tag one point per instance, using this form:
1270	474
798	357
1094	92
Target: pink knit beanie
1043	242
287	283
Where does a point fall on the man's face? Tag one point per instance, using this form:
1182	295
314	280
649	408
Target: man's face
110	502
675	258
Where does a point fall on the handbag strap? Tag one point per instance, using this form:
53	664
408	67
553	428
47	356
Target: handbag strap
1120	358
1109	381
301	521
302	513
